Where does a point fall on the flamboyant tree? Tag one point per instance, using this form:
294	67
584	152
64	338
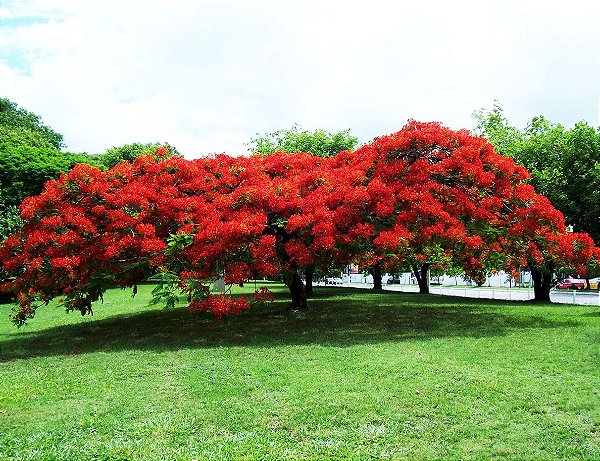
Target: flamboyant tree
425	195
186	222
445	198
313	211
536	237
319	143
92	230
435	195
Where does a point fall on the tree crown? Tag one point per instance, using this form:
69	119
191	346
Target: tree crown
320	143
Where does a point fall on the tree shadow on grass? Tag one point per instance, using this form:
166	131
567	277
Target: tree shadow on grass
337	318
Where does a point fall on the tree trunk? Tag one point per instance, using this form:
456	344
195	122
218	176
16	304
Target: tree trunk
297	291
542	282
421	273
375	271
6	298
309	273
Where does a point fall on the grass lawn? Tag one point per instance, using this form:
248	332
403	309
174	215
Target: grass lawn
360	376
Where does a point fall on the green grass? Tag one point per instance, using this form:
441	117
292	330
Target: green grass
360	376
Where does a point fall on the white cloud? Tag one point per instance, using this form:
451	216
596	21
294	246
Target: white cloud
206	76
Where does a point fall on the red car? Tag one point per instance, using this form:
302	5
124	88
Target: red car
571	284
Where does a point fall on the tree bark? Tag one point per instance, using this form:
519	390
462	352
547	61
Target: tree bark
375	271
297	291
422	277
542	282
309	273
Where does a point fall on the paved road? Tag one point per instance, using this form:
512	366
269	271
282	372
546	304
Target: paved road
514	294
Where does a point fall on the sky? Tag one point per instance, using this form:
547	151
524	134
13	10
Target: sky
207	76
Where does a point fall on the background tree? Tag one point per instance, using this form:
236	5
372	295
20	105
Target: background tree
18	126
29	156
320	143
129	152
24	169
564	163
10	221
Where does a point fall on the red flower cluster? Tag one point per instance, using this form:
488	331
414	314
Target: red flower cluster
264	295
220	305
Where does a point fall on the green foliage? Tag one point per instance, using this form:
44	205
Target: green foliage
166	291
564	163
23	138
129	152
361	376
320	143
494	126
21	127
25	169
10	221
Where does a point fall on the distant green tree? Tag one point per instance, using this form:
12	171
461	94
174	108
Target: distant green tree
320	143
23	138
129	152
24	170
564	163
29	156
21	127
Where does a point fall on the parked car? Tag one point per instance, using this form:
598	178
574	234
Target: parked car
393	279
594	283
571	284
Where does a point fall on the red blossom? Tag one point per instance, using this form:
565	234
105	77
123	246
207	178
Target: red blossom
264	295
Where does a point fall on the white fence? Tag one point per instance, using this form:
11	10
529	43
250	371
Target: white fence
510	294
